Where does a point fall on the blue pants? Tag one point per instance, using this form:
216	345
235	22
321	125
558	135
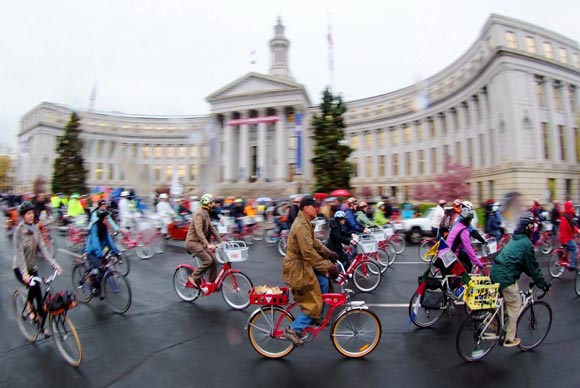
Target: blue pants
572	249
303	320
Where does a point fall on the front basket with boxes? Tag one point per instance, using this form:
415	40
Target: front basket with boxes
232	251
481	294
270	295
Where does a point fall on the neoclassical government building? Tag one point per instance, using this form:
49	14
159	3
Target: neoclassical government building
508	107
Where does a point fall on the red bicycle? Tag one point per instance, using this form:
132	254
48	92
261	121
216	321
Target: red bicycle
76	237
355	332
251	230
559	262
146	242
234	285
364	269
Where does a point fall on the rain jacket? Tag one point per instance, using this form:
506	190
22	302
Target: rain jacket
305	254
75	208
516	257
363	220
200	231
352	225
95	246
26	246
379	217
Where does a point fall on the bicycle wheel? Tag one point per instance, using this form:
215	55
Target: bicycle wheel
546	246
236	289
282	245
477	335
117	291
577	284
258	232
534	324
556	270
188	294
356	333
80	285
366	276
391	251
266	331
424	247
122	264
66	339
269	237
399	242
382	259
27	326
421	316
159	245
144	251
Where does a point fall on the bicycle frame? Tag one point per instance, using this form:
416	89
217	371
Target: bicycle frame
358	259
208	288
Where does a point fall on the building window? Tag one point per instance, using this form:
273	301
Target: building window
511	40
530	44
421	162
431	125
99	171
395	137
354	142
407	134
134	150
170	151
562	133
157	172
381	139
551	188
181	151
408	166
576	60
146	151
563	55
572	97
354	163
168	172
420	131
568	188
546	140
193	151
395	164
368	167
110	172
558	96
443	123
368	141
470	152
158	151
540	91
192	172
482	149
548	53
382	165
181	171
433	160
458	153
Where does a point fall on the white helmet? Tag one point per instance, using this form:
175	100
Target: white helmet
467	210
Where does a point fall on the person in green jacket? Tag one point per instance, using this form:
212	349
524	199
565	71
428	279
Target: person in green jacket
361	216
517	257
379	215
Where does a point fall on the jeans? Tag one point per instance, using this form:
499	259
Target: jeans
302	320
572	249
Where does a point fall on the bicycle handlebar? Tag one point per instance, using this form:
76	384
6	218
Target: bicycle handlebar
38	279
532	285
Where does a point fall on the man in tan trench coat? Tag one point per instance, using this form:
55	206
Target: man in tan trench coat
304	269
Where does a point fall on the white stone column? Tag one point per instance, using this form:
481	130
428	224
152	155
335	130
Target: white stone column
485	128
243	167
282	146
262	148
229	149
570	118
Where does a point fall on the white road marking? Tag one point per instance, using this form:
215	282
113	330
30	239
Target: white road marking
397	304
410	262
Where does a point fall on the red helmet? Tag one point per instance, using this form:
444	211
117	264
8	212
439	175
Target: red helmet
362	205
351	200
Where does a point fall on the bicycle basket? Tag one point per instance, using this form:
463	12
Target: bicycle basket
60	302
379	235
546	226
481	294
389	230
269	295
232	251
367	244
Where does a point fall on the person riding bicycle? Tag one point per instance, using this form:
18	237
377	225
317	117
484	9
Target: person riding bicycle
197	242
517	257
352	226
438	214
339	237
293	211
459	238
567	232
237	212
448	218
304	268
97	240
27	240
165	212
493	225
379	214
102	205
361	216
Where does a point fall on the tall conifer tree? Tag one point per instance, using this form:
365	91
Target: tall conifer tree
70	173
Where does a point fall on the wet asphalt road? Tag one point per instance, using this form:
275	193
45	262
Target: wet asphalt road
164	342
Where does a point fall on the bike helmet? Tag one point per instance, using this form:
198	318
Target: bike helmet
102	214
340	214
25	207
362	205
206	200
380	203
526	220
351	200
467	210
101	202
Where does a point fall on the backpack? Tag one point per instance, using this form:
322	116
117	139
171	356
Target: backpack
63	300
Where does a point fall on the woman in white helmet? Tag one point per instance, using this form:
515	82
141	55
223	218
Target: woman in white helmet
459	239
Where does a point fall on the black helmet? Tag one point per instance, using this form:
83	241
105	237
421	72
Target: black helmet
101	202
102	214
25	207
526	219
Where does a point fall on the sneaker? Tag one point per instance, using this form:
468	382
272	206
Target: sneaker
510	344
192	281
291	334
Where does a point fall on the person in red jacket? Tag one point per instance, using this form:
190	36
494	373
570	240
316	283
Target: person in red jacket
567	232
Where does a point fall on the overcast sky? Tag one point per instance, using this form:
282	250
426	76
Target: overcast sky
164	57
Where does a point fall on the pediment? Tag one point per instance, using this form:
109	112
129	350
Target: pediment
254	84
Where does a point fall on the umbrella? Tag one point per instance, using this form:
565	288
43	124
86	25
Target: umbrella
320	196
264	199
340	193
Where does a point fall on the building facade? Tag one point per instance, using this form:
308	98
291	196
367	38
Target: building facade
508	107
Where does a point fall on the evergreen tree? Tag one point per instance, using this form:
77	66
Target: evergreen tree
332	169
70	173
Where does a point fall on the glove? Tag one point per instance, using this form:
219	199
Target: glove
547	287
333	256
333	271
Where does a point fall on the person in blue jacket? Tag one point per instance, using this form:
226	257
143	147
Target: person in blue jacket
493	226
352	225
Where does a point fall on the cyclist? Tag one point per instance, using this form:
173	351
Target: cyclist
352	226
40	205
460	242
555	216
493	225
304	267
74	207
102	205
165	212
237	212
339	237
361	216
27	240
438	214
197	241
379	214
99	239
124	210
567	232
293	211
517	257
449	217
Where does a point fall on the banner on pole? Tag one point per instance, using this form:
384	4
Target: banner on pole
298	127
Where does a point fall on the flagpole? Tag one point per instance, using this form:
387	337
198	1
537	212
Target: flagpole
331	57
